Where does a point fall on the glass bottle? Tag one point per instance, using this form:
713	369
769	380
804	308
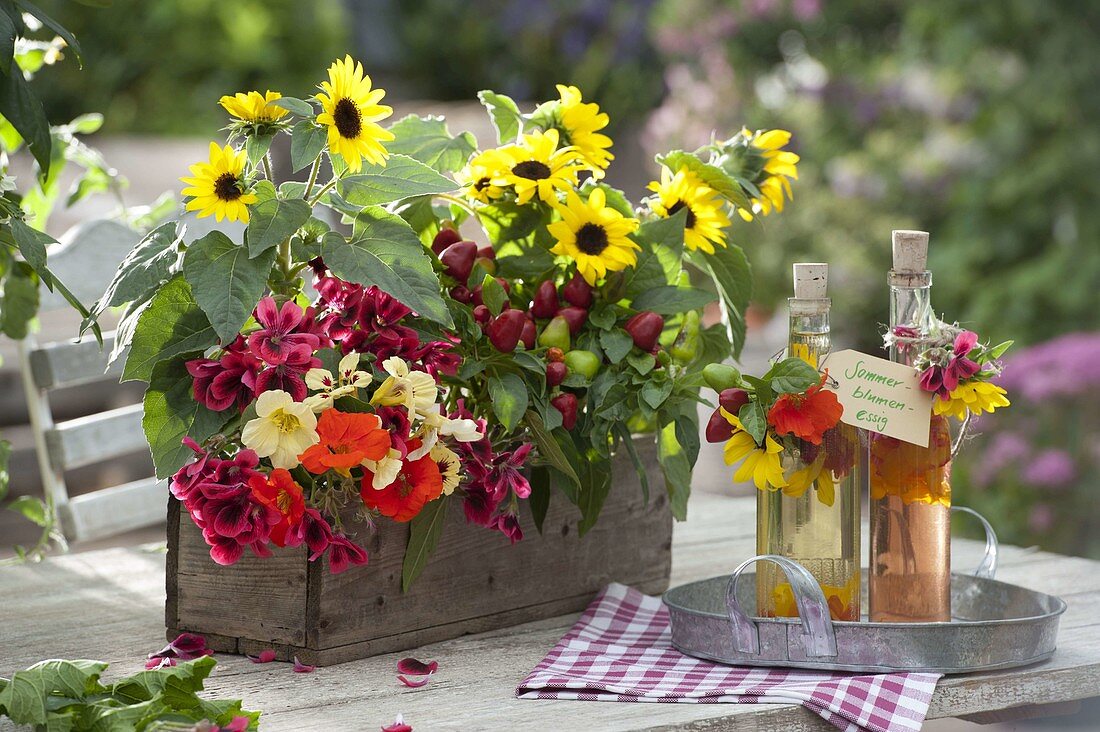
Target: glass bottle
910	489
815	520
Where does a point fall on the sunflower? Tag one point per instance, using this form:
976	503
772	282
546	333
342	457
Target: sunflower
218	187
706	216
538	165
973	396
594	235
477	178
760	463
579	124
776	168
351	111
254	108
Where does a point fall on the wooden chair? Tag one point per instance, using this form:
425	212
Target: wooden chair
86	260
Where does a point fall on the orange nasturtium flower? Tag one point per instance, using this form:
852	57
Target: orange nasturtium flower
279	491
808	416
346	440
417	483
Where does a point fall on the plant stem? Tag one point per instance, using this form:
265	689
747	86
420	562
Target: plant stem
313	175
267	167
323	191
458	202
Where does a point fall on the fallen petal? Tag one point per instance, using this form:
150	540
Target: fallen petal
159	662
265	656
189	643
301	668
398	726
413	667
415	684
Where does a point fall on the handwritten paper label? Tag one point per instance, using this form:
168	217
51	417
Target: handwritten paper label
881	396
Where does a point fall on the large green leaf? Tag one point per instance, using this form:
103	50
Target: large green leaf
225	282
173	323
593	492
424	532
19	303
712	175
428	140
792	375
539	500
147	265
32	244
676	470
24	111
386	252
307	140
66	35
671	300
272	222
509	398
401	177
661	241
24	698
549	449
729	268
7	42
172	413
505	115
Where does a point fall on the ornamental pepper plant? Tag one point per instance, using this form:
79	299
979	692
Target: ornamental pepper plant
419	322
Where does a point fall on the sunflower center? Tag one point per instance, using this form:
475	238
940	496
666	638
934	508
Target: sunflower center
592	239
225	187
348	119
690	222
531	170
482	183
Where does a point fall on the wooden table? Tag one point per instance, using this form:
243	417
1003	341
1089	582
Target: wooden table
109	605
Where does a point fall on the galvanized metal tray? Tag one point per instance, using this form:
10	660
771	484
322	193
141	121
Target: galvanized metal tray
994	625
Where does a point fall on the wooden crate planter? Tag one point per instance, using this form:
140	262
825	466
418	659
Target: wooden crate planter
473	582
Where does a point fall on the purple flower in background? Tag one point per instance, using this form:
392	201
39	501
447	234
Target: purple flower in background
1065	366
1052	468
1041	518
1005	449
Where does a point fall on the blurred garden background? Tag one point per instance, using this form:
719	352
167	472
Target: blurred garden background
974	121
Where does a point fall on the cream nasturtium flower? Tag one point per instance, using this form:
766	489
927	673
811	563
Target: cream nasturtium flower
414	390
437	425
385	470
282	430
329	388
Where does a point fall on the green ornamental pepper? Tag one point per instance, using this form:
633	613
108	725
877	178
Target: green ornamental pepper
555	334
585	363
686	347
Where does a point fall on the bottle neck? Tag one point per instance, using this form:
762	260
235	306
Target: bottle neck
808	335
910	311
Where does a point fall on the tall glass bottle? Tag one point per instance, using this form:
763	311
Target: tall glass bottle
910	488
815	519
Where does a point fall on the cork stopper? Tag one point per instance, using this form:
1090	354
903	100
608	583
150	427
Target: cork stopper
910	251
811	280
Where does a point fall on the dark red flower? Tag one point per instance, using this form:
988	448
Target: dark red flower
508	524
289	375
342	553
230	381
286	330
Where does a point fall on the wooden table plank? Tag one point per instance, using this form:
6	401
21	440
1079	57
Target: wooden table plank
109	605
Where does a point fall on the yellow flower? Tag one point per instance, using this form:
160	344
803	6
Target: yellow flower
776	169
351	111
449	463
537	165
973	396
217	187
253	107
762	464
477	178
813	474
283	429
594	235
414	390
580	125
706	214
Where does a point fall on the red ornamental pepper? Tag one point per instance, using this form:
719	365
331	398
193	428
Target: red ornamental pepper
733	399
527	335
545	304
462	294
482	314
506	329
718	428
486	251
444	239
567	405
645	328
577	292
574	316
556	372
458	260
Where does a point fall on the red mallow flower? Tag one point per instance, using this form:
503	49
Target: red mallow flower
347	439
418	482
508	524
942	380
286	330
315	532
227	382
288	375
807	415
280	492
342	553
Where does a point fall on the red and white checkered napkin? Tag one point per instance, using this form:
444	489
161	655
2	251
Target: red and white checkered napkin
621	650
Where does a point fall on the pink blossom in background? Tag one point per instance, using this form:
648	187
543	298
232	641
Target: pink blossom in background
1051	468
1041	518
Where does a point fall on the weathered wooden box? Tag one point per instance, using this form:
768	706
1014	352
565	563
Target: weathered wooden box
473	582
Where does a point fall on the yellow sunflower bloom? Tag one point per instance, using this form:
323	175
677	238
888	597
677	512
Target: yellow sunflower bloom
761	464
217	187
706	220
478	177
253	107
538	165
973	396
776	170
580	125
594	235
351	112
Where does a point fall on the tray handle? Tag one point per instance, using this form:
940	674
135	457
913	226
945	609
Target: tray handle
818	637
988	566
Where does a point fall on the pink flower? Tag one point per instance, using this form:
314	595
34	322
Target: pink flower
342	553
227	382
289	375
314	531
286	330
398	726
960	368
185	647
508	524
413	667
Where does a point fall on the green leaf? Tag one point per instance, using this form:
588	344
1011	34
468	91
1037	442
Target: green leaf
505	115
386	252
509	396
31	508
729	268
754	420
127	324
643	363
427	139
172	324
792	376
24	111
172	413
654	393
676	470
616	344
225	282
424	532
296	106
493	294
53	25
593	492
401	177
32	245
19	304
272	222
7	42
26	697
670	300
999	350
147	265
307	140
662	240
182	679
506	221
256	147
712	175
549	449
5	473
539	500
628	441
